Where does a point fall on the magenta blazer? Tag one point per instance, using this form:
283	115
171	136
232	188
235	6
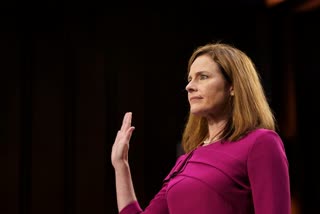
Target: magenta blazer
249	176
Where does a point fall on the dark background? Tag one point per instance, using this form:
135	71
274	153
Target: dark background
71	70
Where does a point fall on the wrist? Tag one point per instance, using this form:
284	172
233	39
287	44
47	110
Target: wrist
119	167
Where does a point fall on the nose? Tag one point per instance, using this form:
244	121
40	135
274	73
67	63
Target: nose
190	87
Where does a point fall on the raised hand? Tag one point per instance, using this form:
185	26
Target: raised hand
120	148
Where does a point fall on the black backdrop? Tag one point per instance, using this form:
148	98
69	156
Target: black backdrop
70	72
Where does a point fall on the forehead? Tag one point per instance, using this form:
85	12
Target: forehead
203	63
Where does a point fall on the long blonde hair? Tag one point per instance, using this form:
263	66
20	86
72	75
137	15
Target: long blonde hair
249	108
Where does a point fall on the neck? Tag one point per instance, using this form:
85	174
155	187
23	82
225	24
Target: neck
215	130
211	140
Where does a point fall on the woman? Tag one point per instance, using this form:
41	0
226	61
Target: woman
234	160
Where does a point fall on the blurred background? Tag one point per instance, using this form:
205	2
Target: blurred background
70	71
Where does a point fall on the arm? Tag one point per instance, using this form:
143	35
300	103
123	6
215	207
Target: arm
269	176
158	205
126	198
119	158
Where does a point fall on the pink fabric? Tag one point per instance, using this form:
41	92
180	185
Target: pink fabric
244	177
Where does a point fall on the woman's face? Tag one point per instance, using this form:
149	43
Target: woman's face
208	91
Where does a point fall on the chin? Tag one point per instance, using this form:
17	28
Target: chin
198	112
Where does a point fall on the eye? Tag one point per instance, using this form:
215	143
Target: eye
203	77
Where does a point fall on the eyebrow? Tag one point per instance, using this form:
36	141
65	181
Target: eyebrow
197	74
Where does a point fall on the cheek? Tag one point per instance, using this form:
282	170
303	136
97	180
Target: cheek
217	95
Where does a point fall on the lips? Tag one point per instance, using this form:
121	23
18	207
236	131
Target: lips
194	98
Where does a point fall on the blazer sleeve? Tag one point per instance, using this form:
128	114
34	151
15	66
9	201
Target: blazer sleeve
158	205
268	172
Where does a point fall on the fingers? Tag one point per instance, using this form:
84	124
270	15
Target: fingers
129	132
126	129
126	122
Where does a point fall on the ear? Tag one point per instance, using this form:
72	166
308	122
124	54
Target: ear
231	91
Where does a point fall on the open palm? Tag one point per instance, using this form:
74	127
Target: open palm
120	148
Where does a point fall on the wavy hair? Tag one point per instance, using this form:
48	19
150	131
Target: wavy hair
249	106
